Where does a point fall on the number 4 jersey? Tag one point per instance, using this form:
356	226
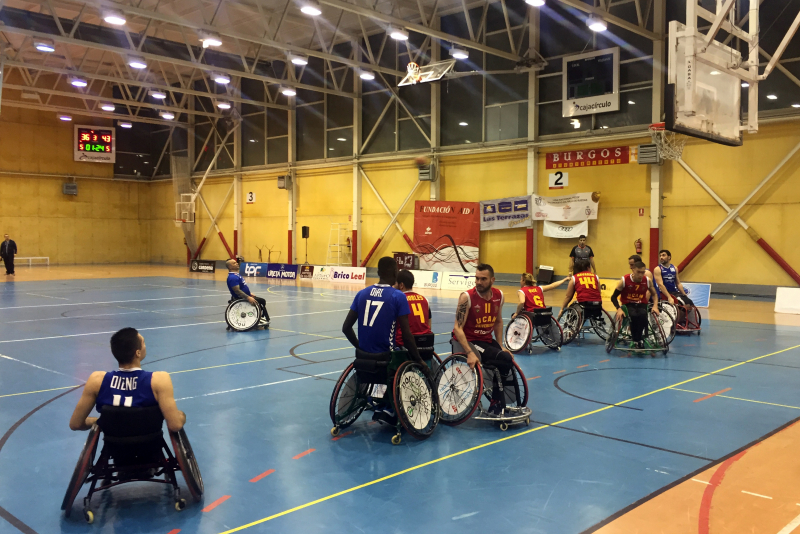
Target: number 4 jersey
378	308
420	318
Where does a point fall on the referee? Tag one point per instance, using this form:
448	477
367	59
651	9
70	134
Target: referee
581	251
7	251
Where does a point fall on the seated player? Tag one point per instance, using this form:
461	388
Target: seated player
419	320
636	289
477	317
239	290
584	284
379	310
668	284
129	386
531	296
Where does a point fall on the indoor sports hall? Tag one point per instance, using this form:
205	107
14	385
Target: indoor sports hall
615	179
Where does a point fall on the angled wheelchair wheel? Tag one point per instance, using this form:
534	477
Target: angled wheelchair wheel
415	401
655	337
571	322
551	335
602	326
518	333
458	389
82	469
668	318
242	316
348	400
517	394
611	342
188	463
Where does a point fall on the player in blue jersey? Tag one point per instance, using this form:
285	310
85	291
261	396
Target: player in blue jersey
129	386
380	310
667	281
239	290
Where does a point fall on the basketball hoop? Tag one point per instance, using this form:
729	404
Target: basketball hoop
670	145
413	70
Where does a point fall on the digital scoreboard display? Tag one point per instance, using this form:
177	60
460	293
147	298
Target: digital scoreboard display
95	144
590	83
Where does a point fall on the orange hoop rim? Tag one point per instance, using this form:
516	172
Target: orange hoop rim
657	126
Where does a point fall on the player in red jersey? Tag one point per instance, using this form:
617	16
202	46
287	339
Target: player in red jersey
531	297
635	289
584	285
420	318
478	315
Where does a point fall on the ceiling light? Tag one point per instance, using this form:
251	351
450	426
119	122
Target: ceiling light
631	102
222	79
311	7
745	84
796	105
459	53
252	140
772	97
168	115
125	124
715	73
397	34
44	45
107	106
78	82
330	149
367	75
115	17
341	139
65	118
604	127
136	62
535	3
463	124
575	123
210	39
158	95
596	24
288	91
298	59
223	104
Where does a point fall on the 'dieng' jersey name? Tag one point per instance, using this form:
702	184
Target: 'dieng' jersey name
124	383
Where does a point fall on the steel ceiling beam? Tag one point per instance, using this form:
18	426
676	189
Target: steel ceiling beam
87	113
613	19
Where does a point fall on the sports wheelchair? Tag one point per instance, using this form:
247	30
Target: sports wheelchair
241	315
667	316
462	391
134	450
688	318
520	331
574	318
653	339
364	385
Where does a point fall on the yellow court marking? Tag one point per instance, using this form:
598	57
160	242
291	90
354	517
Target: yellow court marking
490	443
39	391
737	398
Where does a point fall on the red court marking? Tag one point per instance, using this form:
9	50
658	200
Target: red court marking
587	365
534	378
712	343
561	371
174	531
262	475
705	504
712	395
341	436
309	451
216	503
372	423
604	361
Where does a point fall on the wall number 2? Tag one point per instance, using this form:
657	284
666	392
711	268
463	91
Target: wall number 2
559	180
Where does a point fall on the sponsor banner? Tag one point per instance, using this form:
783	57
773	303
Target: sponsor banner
593	157
350	275
699	293
321	272
427	279
447	235
282	271
458	281
504	213
553	229
254	269
787	300
307	271
202	266
607	286
577	207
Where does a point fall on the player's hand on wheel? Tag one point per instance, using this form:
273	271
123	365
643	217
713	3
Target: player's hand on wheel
472	360
251	300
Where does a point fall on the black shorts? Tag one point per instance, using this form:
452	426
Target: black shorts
683	299
489	352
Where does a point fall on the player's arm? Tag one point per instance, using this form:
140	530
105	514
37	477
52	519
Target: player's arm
615	301
653	295
164	394
679	284
242	295
462	310
520	304
347	328
554	285
571	263
408	338
658	279
498	324
568	296
80	419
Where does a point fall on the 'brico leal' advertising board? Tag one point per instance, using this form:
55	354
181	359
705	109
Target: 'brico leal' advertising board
350	275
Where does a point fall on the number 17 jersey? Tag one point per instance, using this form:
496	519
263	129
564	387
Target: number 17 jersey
378	308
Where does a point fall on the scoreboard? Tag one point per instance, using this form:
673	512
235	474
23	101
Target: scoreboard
94	144
590	83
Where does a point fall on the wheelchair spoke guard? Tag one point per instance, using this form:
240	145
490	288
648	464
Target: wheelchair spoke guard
349	399
458	389
551	335
518	333
242	316
82	469
414	401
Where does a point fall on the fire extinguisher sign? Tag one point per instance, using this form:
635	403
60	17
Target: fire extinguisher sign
641	212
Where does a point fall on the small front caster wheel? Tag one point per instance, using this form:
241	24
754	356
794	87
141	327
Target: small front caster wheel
335	431
88	516
504	426
396	439
527	421
180	504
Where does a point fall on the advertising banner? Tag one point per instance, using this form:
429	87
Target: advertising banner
427	279
350	275
699	293
607	286
552	229
577	207
254	269
202	266
593	157
282	271
306	272
503	213
447	235
458	281
321	272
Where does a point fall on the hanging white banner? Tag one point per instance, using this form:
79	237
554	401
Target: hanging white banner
552	229
504	213
577	207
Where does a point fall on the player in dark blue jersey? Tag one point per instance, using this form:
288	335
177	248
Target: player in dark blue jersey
129	386
667	281
239	290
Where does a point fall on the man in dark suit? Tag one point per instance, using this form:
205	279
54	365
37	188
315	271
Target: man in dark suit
7	251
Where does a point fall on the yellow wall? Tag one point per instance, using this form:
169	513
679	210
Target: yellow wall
323	197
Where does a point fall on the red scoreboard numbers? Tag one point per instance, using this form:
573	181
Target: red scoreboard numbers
94	144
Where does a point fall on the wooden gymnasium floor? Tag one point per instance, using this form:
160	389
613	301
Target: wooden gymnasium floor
703	440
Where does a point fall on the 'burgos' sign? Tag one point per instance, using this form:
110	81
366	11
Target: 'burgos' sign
353	275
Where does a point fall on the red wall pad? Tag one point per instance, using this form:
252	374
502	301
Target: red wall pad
529	252
371	252
235	243
653	248
354	249
774	255
230	253
290	248
706	240
199	248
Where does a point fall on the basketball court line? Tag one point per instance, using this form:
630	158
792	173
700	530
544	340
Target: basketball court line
737	398
488	444
259	385
37	366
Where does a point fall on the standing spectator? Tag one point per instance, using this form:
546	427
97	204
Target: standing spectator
7	251
581	251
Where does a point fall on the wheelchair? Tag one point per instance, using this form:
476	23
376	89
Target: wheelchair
574	318
529	327
654	339
688	320
462	391
364	385
134	450
667	316
242	316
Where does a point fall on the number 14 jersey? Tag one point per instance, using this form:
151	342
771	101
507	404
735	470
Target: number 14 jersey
378	308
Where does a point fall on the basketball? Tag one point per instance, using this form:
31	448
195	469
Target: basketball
422	161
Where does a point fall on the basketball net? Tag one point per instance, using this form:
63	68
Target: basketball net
413	72
670	145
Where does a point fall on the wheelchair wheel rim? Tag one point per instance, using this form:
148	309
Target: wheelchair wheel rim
603	326
570	324
518	333
241	315
348	400
82	469
458	390
551	335
188	464
414	401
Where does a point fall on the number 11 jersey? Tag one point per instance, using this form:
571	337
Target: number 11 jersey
378	308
